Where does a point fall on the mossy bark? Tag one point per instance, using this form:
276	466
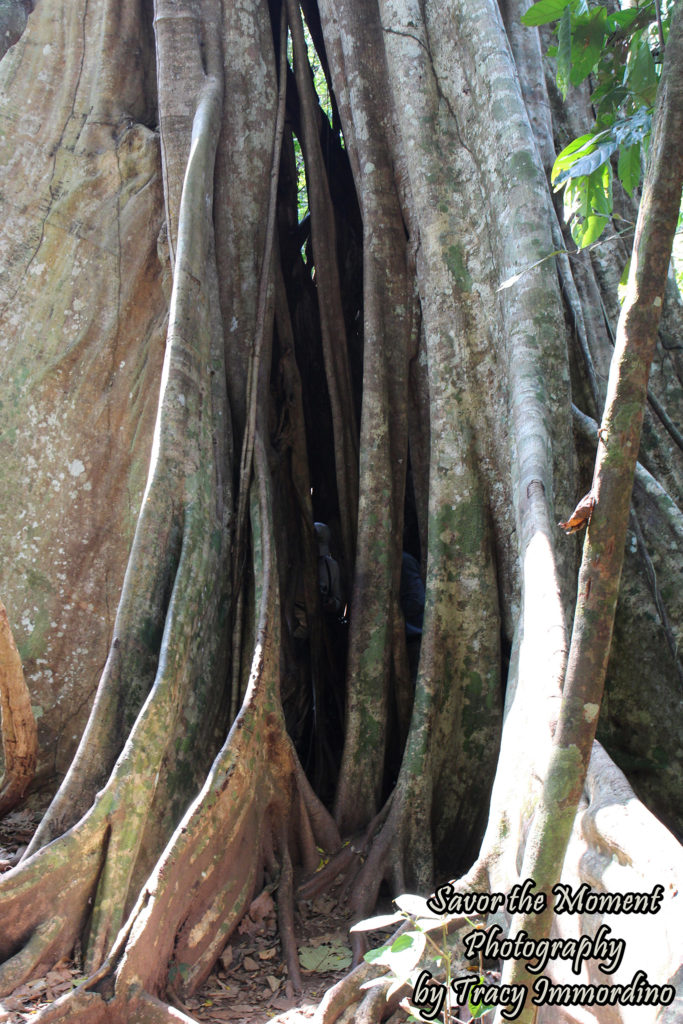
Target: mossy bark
361	366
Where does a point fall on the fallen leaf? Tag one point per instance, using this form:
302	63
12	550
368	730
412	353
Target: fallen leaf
327	957
249	964
55	977
283	1003
259	911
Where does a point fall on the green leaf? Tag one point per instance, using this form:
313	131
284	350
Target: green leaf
477	1009
586	165
326	957
608	102
623	19
564	52
588	40
588	205
404	941
588	230
545	11
600	191
629	130
642	73
628	167
570	153
403	954
374	954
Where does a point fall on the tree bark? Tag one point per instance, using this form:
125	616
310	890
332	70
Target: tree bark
379	380
19	733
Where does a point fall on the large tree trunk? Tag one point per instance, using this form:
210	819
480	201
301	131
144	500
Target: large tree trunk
361	367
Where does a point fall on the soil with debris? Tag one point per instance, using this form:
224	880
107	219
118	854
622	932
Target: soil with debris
249	985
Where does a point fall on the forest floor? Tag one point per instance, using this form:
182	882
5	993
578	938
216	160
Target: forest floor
249	985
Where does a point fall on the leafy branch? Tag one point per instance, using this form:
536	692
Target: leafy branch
621	52
405	953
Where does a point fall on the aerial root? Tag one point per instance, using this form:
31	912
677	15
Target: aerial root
285	914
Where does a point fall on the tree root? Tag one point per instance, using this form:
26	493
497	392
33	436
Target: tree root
19	732
345	993
35	932
285	913
41	948
83	1006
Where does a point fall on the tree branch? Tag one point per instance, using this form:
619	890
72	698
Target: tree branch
603	553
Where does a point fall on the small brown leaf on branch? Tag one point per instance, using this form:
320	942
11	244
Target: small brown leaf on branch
581	516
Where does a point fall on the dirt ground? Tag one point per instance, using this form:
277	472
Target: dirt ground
249	984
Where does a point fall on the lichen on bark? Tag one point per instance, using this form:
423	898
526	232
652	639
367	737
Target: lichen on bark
360	366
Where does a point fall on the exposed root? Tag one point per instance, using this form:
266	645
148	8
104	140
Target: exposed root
338	864
345	993
83	1006
38	950
285	915
78	1007
19	732
150	1010
35	931
374	1006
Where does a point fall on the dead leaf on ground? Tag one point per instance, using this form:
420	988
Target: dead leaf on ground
326	957
283	1003
260	910
226	958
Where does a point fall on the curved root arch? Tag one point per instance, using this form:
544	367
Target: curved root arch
470	383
